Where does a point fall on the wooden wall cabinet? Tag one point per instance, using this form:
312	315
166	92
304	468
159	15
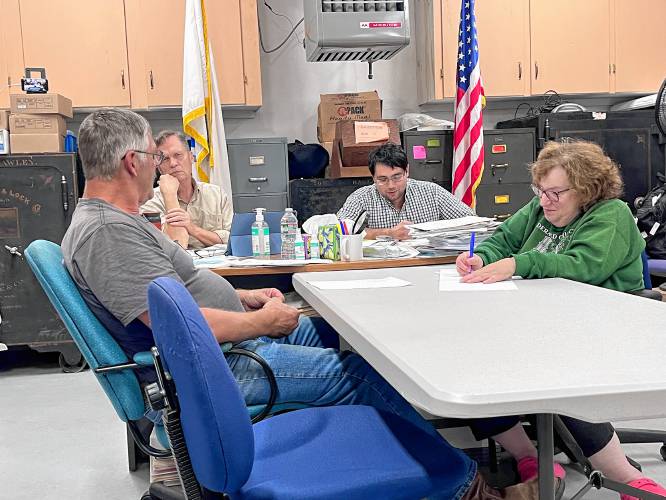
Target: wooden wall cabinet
528	47
639	45
81	43
156	51
570	46
126	53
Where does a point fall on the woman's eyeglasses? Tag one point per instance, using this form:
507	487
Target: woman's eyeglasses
552	195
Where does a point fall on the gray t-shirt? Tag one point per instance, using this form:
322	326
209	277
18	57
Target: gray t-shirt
113	256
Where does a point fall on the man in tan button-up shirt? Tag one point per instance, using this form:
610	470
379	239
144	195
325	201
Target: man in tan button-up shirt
195	214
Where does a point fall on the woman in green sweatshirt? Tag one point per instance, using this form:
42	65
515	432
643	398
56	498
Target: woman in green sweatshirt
574	228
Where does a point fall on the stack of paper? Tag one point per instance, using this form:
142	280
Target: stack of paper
453	235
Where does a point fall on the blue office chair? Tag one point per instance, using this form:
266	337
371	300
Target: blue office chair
112	368
240	234
350	452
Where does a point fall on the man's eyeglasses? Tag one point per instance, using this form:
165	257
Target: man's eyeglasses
553	196
158	157
382	181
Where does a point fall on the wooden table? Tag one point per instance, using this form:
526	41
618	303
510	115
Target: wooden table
334	266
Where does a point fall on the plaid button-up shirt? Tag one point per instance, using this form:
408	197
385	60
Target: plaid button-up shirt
424	202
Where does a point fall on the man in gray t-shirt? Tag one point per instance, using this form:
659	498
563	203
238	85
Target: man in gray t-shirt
113	254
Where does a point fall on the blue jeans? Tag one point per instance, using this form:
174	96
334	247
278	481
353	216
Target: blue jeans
310	370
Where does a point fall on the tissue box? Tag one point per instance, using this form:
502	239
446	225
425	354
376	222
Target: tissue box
329	242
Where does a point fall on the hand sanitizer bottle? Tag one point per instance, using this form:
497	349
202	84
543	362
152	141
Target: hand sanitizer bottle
299	249
261	245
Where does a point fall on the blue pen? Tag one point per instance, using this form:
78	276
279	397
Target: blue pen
471	247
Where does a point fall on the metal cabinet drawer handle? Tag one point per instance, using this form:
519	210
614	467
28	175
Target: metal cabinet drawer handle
258	179
433	161
494	167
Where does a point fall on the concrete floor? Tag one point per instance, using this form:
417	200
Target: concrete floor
60	438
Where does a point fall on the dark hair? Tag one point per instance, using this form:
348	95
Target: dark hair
389	154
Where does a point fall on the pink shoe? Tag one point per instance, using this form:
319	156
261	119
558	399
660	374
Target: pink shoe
528	467
645	484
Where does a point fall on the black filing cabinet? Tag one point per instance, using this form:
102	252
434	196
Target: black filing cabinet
430	155
506	182
259	173
38	194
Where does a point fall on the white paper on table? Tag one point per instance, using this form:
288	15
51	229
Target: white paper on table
449	281
388	282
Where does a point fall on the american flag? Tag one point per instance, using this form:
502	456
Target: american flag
468	132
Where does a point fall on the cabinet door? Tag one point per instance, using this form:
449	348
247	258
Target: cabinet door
159	44
428	16
640	41
570	46
81	43
504	45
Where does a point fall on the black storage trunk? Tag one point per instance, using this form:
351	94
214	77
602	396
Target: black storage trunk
430	155
322	196
628	137
38	194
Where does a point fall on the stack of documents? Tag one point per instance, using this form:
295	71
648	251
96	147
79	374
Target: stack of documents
451	236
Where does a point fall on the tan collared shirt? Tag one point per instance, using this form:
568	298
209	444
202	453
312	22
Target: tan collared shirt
209	209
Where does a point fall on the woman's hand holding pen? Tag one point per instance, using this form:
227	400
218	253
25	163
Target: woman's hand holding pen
497	271
466	264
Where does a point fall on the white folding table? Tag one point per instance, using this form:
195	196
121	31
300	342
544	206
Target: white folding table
552	346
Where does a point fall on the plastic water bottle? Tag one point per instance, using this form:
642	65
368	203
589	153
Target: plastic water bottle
288	231
314	247
299	248
261	245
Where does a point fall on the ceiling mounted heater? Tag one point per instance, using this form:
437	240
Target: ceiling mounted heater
355	30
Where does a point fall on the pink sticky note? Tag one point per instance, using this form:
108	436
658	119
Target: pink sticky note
419	152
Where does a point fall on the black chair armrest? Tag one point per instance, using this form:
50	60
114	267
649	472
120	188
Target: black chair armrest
648	294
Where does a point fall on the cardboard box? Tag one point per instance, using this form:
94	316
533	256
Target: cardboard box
36	143
37	124
349	106
40	104
4	119
328	146
337	170
355	154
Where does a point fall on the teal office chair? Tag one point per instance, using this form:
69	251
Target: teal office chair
111	366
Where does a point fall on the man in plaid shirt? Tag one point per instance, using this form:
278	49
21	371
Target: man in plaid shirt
395	201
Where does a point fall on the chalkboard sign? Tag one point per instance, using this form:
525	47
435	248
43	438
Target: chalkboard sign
322	196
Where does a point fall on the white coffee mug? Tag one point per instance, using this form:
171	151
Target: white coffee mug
351	247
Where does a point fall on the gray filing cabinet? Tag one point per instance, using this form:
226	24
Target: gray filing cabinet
505	185
259	173
430	155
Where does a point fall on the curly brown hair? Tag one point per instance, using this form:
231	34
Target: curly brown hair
592	174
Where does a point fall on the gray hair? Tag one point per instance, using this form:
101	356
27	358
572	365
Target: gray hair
106	135
165	134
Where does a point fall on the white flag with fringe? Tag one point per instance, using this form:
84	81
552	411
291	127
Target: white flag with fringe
202	112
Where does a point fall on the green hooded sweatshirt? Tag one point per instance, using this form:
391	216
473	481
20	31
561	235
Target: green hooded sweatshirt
601	247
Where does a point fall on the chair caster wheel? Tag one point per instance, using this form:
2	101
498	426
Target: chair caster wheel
662	452
146	496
